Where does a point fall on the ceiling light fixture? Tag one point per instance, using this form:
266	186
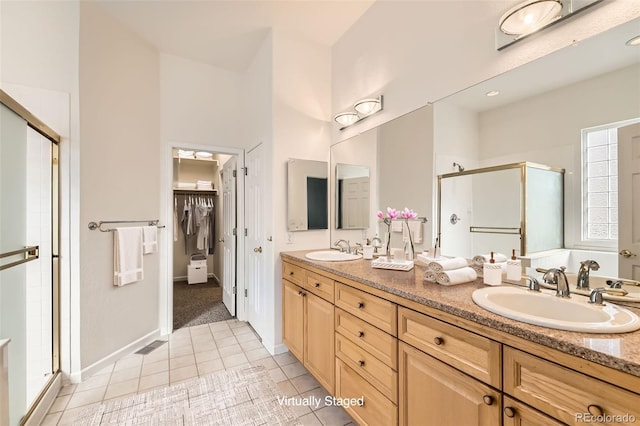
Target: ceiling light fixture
493	93
361	110
531	16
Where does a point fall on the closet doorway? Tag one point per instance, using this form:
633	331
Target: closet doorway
204	236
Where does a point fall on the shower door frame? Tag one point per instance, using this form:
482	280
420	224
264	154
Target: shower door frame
40	127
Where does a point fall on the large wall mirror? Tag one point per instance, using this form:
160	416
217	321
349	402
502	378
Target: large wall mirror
540	115
307	192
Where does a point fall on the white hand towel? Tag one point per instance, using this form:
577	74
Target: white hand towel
447	264
484	258
127	255
456	276
396	225
430	276
416	231
149	239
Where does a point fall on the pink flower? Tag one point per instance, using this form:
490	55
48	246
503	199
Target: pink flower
392	213
380	215
408	214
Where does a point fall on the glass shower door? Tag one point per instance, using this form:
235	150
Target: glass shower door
26	275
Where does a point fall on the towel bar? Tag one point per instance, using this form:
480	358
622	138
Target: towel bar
98	225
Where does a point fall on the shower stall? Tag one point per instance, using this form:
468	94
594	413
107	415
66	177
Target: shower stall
29	247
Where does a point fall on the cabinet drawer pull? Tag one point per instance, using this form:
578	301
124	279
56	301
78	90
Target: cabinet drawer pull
509	412
290	272
595	410
438	340
302	293
360	305
317	285
360	333
361	362
488	399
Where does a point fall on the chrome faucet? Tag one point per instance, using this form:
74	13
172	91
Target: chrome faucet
583	273
341	247
557	277
377	245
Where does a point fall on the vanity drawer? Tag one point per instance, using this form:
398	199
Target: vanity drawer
383	377
320	285
375	341
375	310
468	352
294	273
376	410
565	394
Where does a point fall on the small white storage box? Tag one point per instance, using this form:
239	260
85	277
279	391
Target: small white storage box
196	274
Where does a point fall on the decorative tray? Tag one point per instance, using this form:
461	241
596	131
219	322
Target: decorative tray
394	264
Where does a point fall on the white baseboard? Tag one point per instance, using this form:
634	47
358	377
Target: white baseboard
79	376
45	403
276	349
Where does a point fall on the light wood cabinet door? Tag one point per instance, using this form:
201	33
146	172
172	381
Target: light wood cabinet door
567	395
431	392
518	414
319	348
293	318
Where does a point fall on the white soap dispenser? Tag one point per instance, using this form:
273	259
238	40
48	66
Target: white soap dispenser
514	268
492	273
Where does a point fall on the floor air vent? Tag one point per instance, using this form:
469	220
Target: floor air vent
151	346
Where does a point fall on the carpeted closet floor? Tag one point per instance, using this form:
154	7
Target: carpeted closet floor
195	304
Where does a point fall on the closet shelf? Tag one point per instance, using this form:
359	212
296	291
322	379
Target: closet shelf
195	191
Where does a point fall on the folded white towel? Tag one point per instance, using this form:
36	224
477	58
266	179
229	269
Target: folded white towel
149	239
430	276
397	225
456	276
416	231
186	185
484	258
424	257
127	255
447	264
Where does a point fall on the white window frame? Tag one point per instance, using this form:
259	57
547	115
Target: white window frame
608	244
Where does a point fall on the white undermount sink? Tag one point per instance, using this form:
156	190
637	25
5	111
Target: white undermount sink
331	256
545	309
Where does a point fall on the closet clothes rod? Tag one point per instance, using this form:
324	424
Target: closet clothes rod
98	225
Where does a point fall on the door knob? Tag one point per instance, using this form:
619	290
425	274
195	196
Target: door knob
626	253
257	250
221	240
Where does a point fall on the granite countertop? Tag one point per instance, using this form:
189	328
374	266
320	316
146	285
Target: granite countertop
618	351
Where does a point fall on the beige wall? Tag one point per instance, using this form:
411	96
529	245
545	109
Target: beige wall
120	178
416	52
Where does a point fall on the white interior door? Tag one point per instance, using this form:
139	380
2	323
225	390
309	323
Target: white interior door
229	224
355	203
255	239
629	202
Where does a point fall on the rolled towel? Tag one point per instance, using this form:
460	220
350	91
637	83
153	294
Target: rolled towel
447	264
484	258
456	276
430	276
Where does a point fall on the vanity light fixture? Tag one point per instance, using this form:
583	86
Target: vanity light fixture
531	16
361	110
635	41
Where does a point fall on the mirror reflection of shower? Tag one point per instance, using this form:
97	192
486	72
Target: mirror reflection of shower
459	166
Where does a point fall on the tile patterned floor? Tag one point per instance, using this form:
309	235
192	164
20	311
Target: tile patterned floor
194	352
